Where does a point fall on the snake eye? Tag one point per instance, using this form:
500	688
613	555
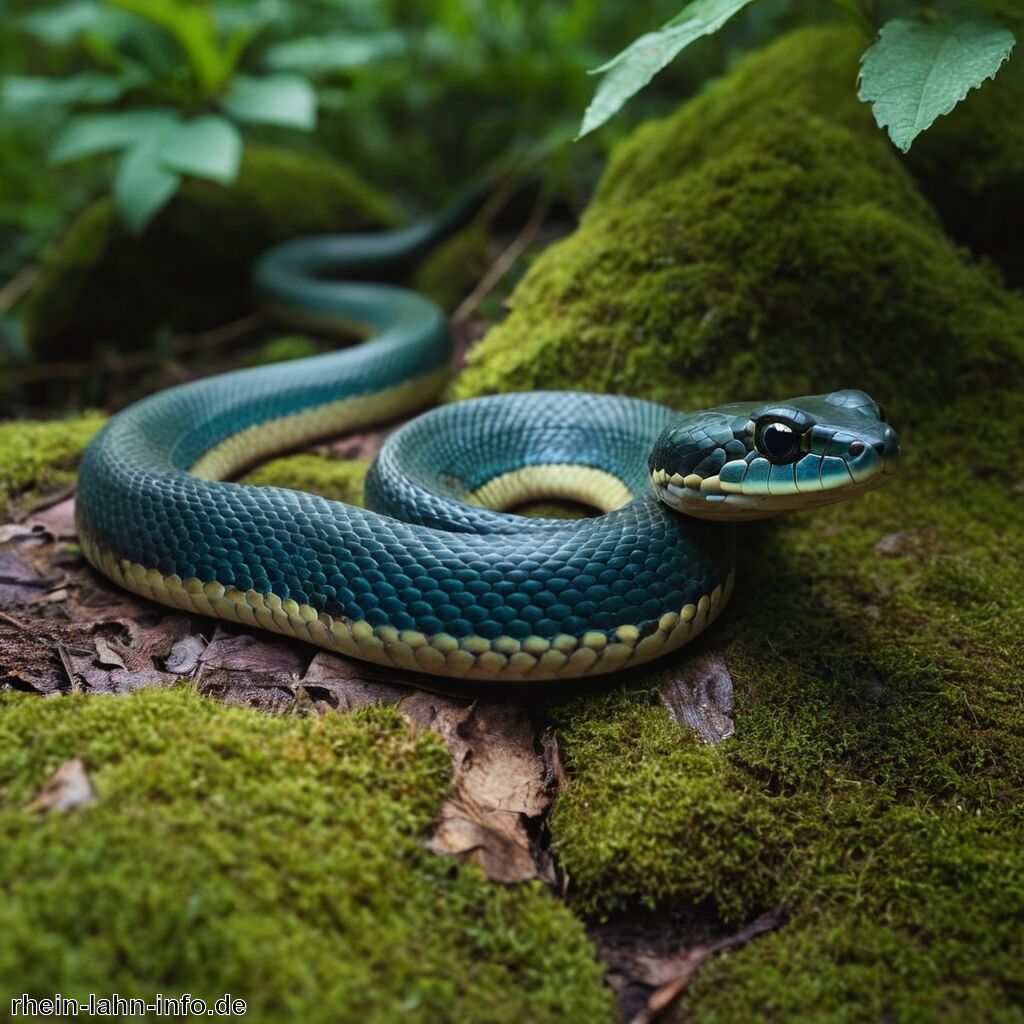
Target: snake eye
777	441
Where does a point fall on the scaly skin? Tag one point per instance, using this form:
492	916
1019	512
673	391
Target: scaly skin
429	578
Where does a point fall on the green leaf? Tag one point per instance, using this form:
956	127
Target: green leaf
317	55
207	147
100	133
61	26
918	71
19	92
193	26
285	99
142	185
628	72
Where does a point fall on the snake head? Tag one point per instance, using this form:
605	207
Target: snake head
747	460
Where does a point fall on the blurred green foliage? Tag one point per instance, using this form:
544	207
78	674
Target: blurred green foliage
419	96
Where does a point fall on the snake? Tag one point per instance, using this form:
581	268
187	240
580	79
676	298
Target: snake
438	574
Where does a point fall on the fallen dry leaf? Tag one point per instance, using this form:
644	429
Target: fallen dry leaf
700	695
652	958
68	787
502	784
185	654
20	580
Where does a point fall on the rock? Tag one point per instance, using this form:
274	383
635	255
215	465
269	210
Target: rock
192	266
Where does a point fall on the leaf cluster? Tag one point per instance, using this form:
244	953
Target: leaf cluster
159	82
917	68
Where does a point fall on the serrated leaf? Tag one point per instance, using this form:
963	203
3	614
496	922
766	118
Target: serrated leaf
284	99
918	71
629	71
336	52
206	147
101	133
142	185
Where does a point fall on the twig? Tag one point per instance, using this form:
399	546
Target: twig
17	287
14	622
662	998
137	360
500	267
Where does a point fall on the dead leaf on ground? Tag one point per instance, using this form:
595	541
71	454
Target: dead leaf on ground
344	684
653	959
185	654
503	785
700	695
56	519
21	582
67	788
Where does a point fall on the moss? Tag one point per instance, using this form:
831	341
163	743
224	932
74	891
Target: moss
278	859
279	350
452	270
37	458
641	787
340	479
767	241
99	285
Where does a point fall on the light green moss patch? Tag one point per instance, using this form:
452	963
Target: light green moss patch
192	267
40	457
280	350
642	787
279	859
339	479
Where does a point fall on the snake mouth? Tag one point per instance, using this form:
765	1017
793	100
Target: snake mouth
715	498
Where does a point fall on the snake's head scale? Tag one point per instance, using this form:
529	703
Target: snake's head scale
747	461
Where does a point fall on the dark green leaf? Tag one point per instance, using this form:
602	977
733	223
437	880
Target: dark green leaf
142	184
628	72
100	133
918	71
207	147
284	99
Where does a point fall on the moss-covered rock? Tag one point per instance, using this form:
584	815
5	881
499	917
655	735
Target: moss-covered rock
730	242
191	267
767	241
39	457
278	859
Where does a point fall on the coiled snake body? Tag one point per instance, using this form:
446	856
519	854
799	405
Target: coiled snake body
436	575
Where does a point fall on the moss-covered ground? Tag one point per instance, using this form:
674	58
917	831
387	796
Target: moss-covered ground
278	859
766	241
37	458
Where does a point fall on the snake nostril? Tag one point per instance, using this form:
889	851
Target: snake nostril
856	447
